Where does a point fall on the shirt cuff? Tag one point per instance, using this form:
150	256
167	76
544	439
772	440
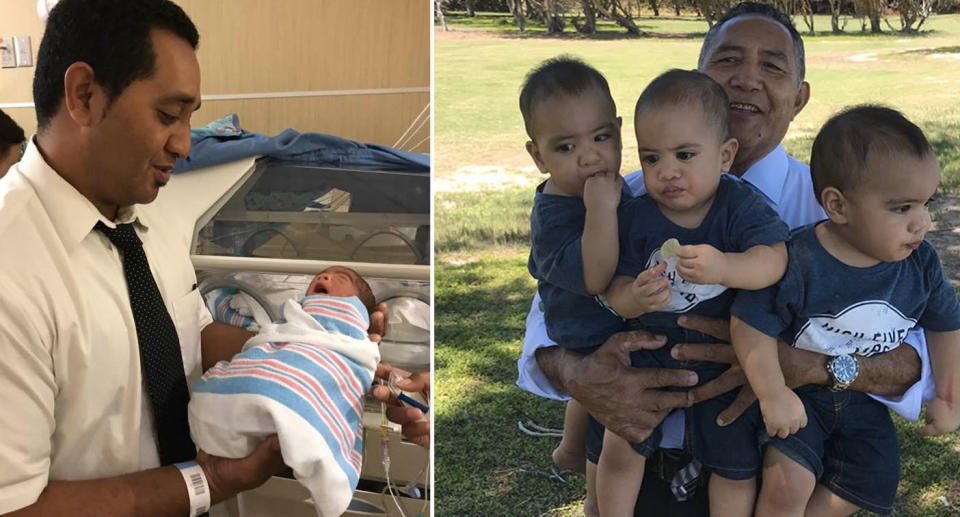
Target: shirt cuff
530	377
908	404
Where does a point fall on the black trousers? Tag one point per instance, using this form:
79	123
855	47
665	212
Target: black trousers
656	499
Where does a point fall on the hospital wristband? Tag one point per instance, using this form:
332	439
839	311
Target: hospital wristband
197	488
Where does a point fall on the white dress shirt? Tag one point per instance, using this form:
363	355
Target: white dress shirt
73	395
787	184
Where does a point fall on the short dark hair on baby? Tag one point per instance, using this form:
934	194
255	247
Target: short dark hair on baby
840	151
688	88
363	291
561	75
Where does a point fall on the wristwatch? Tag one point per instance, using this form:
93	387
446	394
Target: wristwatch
843	370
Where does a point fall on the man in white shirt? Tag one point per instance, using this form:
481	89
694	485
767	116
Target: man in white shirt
756	54
116	83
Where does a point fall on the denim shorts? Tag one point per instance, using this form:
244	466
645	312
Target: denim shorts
659	358
849	444
732	451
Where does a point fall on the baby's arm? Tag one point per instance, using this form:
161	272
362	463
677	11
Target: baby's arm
783	412
758	267
648	292
943	412
600	245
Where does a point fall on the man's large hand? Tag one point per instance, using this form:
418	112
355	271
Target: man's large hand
414	424
378	323
620	397
800	367
228	477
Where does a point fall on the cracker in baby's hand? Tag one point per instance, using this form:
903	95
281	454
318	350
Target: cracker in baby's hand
669	249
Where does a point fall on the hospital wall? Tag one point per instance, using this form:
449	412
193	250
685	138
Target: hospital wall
359	69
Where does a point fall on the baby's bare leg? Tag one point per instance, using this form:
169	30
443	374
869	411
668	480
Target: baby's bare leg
590	508
786	488
619	477
732	497
825	503
569	455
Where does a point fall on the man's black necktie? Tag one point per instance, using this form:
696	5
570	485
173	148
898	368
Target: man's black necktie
160	357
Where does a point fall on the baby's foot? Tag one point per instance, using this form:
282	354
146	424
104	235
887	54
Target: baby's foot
566	459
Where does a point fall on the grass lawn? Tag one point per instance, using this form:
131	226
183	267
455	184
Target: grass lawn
484	465
478	77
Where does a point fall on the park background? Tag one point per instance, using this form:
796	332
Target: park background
484	182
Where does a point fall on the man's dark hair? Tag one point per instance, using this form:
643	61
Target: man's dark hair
767	11
112	36
840	151
561	75
10	133
688	88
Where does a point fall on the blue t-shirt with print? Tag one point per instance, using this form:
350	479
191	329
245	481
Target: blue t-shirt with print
738	219
574	318
829	307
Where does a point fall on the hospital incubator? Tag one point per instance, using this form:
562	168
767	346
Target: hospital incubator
259	231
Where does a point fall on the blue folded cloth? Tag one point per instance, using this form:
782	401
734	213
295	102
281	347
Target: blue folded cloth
223	141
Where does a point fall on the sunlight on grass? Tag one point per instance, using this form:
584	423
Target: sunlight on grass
478	77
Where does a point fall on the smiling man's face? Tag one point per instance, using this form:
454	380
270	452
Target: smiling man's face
139	136
753	58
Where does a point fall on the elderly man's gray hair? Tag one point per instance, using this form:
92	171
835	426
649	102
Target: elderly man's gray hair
767	11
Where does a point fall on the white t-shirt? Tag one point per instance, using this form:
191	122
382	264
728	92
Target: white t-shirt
73	396
787	184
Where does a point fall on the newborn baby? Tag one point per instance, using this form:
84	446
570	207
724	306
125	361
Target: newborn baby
303	378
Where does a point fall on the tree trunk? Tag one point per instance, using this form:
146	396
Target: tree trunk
468	5
655	5
551	17
438	12
516	9
590	18
676	7
612	9
806	10
875	23
835	16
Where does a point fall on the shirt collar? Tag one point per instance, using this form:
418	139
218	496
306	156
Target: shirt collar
769	174
73	216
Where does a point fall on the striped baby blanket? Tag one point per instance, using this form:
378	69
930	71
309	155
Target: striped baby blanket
303	378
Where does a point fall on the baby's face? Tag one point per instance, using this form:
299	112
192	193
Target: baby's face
682	156
334	281
887	213
576	137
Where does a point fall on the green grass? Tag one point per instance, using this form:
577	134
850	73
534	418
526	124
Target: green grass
478	77
483	289
481	302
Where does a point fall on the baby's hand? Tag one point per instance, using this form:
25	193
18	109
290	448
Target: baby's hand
942	417
651	290
701	264
602	191
783	413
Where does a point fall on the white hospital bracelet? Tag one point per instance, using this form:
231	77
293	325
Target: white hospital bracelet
197	487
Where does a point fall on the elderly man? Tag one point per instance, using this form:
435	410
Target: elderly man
756	54
102	326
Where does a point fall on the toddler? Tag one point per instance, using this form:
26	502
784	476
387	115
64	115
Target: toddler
574	132
855	284
695	235
303	378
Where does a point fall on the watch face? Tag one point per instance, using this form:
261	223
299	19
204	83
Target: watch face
844	368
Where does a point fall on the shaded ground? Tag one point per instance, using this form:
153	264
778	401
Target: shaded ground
946	234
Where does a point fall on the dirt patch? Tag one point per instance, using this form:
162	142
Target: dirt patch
473	178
